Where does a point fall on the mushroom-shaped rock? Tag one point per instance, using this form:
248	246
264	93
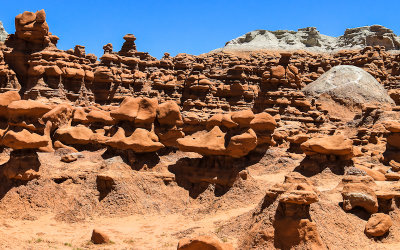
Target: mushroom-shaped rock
127	110
204	242
100	116
378	225
359	195
263	122
243	117
334	145
147	111
241	145
299	197
141	141
7	98
169	136
221	120
24	140
203	142
27	108
80	115
349	83
74	135
168	113
139	110
60	115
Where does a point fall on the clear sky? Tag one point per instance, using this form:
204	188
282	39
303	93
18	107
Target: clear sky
193	27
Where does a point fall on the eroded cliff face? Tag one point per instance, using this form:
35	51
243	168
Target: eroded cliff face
32	64
311	39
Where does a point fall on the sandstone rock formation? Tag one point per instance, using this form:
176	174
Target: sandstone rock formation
203	136
203	242
290	224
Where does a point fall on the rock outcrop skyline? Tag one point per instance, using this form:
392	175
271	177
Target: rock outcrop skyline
3	33
311	39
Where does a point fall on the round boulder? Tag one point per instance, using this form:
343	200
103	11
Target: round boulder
349	83
378	225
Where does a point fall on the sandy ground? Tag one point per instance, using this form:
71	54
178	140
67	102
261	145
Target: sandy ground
151	231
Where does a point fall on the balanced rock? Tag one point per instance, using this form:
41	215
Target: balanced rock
243	117
139	110
203	142
141	141
28	108
74	135
168	113
24	140
263	122
7	98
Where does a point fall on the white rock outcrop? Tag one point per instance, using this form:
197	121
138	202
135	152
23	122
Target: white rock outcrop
349	83
310	39
3	33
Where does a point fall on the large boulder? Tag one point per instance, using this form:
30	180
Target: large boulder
24	140
141	141
263	122
203	142
168	113
329	145
74	135
31	27
349	83
58	116
138	110
29	108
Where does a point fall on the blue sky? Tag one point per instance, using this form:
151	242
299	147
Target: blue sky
193	27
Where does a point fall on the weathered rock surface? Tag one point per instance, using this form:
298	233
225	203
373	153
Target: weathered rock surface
203	242
359	195
99	237
330	145
378	225
202	135
349	83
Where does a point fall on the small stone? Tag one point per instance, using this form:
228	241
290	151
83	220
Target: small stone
378	225
69	158
99	237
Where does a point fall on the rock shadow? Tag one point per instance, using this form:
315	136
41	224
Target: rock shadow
315	164
22	167
136	161
196	174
